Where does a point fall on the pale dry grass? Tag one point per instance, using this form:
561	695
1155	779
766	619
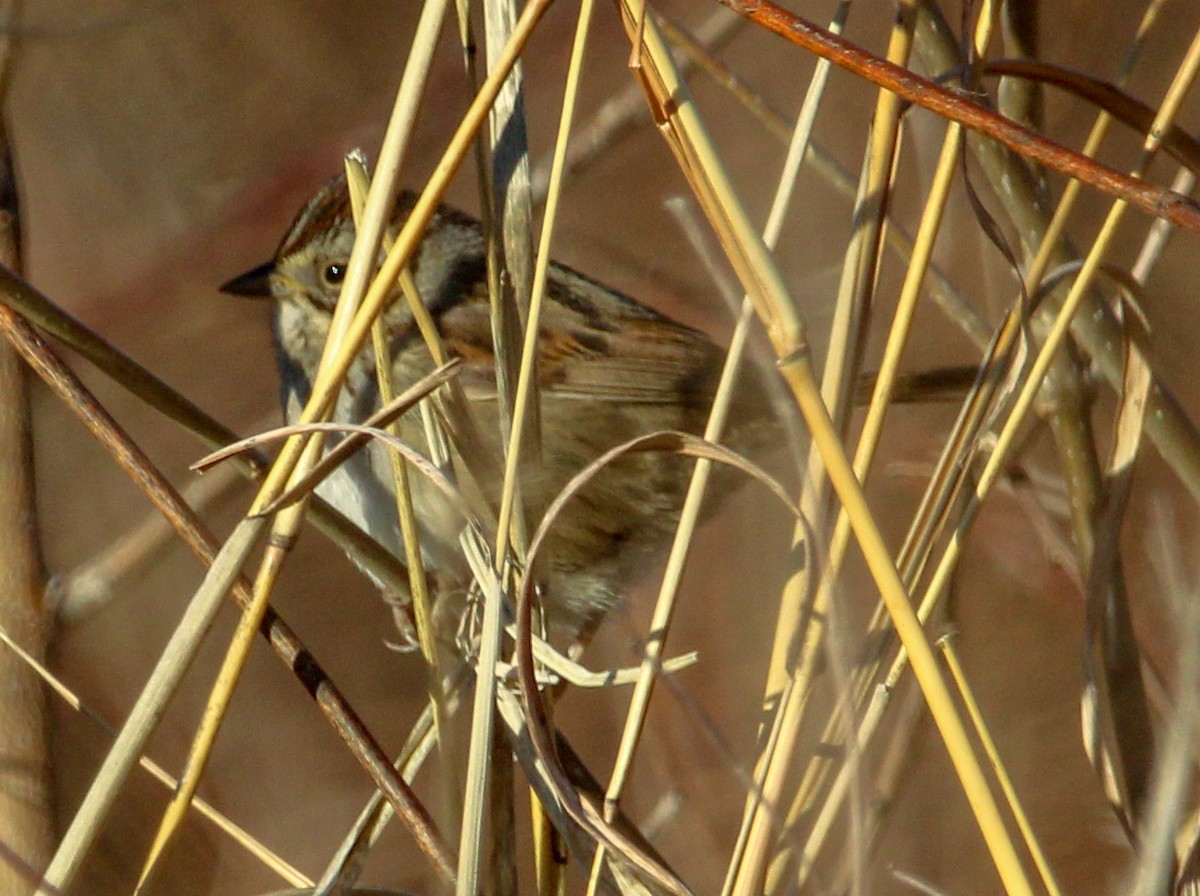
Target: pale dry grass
796	755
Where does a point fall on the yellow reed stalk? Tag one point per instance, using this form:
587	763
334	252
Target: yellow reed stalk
681	125
353	326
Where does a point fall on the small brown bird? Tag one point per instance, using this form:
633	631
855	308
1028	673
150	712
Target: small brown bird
609	369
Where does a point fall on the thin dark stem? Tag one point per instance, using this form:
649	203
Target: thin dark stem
192	530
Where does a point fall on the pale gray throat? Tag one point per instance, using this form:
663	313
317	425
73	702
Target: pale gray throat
353	488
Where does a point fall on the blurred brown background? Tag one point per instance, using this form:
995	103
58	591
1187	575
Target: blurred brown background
164	146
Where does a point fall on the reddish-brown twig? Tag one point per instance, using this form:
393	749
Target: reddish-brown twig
196	535
1158	201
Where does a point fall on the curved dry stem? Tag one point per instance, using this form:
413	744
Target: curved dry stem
1123	107
353	325
222	575
683	128
140	382
584	813
580	676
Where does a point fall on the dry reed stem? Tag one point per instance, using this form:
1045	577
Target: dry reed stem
1120	709
358	183
822	824
1159	808
140	382
1172	432
872	428
1156	201
930	223
1166	551
224	824
282	535
659	626
347	331
1174	771
26	815
681	125
842	364
148	709
480	749
344	866
799	587
286	525
507	299
592	818
180	648
352	333
789	609
524	430
1040	365
510	235
622	113
1040	862
1112	662
522	436
610	124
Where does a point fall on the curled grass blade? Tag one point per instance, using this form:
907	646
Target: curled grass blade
584	813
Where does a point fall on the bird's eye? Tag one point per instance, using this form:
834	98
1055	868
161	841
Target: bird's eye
334	273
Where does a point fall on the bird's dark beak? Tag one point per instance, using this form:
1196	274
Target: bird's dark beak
254	284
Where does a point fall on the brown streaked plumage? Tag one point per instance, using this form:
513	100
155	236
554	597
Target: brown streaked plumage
609	369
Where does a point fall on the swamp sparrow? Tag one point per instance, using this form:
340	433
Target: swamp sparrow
609	369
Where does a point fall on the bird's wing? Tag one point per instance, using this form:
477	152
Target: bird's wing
594	344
